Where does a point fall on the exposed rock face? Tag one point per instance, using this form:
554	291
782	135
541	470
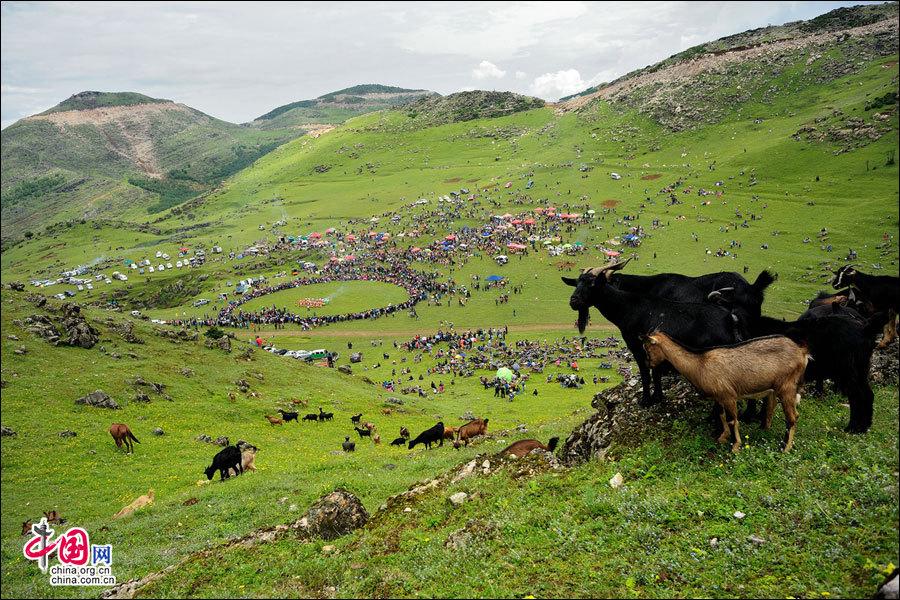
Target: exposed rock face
223	343
345	369
98	399
332	516
43	327
620	419
77	331
126	330
6	431
885	365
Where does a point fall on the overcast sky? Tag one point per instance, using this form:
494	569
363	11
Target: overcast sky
237	61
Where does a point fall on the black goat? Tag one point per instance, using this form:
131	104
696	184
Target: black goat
356	418
363	432
227	458
700	325
841	348
429	436
311	417
324	416
348	446
882	292
684	288
400	441
288	416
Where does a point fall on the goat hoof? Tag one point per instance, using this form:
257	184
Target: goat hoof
736	447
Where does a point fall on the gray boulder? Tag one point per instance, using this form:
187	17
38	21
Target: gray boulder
98	399
332	516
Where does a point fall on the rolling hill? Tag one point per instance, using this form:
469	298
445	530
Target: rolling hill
337	107
117	155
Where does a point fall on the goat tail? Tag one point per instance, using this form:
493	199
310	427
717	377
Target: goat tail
764	280
131	435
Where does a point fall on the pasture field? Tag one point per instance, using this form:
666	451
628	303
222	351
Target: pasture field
821	521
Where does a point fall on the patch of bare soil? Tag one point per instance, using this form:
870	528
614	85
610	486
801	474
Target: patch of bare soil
610	203
651	177
133	124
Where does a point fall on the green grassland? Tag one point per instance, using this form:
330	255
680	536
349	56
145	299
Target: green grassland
827	512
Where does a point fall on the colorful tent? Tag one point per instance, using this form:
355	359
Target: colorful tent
505	374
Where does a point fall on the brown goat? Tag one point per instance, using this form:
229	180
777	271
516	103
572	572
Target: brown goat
471	429
727	373
274	420
122	435
449	433
523	447
369	425
386	411
376	439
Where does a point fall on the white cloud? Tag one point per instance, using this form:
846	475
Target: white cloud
552	86
237	61
487	70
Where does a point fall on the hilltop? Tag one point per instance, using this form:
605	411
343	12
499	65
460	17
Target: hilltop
115	155
337	107
738	74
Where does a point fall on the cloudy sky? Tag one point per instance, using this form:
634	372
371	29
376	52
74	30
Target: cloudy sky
237	60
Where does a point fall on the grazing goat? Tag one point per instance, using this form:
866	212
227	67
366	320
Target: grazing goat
288	416
363	432
274	420
122	435
471	429
841	348
523	447
356	418
400	441
324	416
728	373
699	324
369	425
376	439
449	433
386	411
348	446
429	436
227	458
404	432
881	291
248	458
311	417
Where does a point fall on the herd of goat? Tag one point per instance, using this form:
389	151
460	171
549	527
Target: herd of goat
711	330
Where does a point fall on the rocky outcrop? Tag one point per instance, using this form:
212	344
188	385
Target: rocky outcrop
98	399
223	343
72	329
619	418
76	330
332	516
885	365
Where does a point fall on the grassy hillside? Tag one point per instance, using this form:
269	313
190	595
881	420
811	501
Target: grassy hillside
119	155
337	107
752	187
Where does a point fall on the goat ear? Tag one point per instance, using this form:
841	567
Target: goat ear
570	281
